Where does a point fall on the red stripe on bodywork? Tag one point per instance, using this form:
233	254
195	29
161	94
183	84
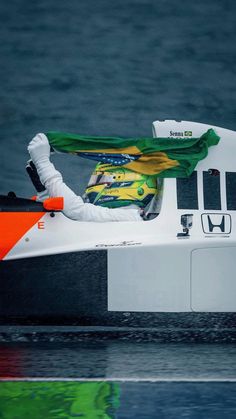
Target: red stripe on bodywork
13	225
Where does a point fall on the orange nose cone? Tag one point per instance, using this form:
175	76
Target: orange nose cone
13	226
54	204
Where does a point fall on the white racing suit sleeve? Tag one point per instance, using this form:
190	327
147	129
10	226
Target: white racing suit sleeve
74	206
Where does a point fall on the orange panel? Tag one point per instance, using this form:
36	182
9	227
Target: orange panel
54	204
13	225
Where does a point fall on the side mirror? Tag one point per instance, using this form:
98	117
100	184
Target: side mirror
187	222
54	204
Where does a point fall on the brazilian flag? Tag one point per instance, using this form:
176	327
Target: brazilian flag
162	157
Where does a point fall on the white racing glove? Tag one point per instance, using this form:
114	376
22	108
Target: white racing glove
39	149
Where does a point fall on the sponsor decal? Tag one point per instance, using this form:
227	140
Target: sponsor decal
120	244
108	198
216	223
125	184
41	225
181	133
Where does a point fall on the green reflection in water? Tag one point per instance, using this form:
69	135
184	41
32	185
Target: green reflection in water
58	400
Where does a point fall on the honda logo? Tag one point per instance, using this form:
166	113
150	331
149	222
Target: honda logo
216	223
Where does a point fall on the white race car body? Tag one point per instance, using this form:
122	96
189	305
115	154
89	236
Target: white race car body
167	264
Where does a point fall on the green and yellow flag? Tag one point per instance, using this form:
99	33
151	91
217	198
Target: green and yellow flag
162	157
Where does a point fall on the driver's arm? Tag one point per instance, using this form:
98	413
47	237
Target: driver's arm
74	206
